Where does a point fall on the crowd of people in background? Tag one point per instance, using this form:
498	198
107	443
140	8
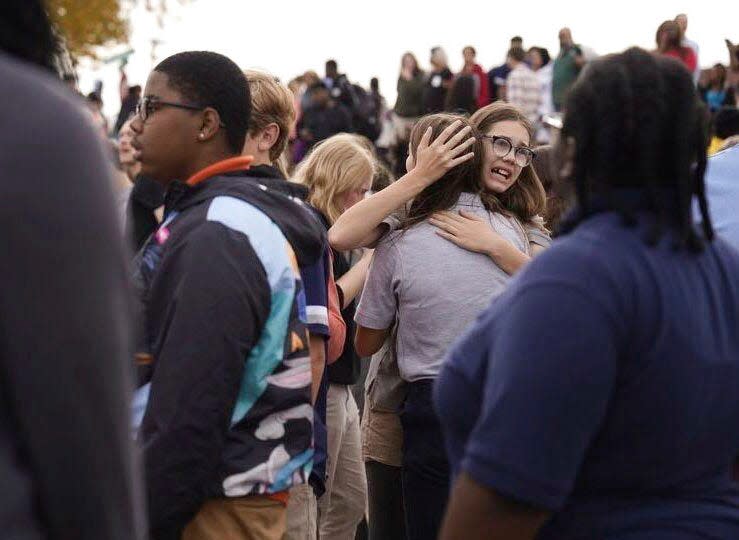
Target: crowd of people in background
344	320
530	78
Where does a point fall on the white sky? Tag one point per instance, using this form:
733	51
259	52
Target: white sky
368	38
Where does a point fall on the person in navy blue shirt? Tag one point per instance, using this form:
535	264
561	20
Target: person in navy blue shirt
597	396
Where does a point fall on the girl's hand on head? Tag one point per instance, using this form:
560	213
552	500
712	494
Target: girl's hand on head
434	159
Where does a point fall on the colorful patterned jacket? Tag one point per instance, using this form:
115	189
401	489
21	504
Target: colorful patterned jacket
224	368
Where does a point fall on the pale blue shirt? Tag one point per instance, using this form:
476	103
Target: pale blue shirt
722	191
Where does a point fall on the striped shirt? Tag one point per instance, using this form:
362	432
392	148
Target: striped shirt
524	91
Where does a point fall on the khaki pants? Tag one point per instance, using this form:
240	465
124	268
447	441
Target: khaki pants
256	517
343	505
302	514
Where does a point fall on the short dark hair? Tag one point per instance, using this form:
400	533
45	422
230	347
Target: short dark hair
726	122
517	39
517	54
210	79
637	123
27	33
544	53
331	64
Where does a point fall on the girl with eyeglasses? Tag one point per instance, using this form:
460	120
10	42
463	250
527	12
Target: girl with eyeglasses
508	185
433	288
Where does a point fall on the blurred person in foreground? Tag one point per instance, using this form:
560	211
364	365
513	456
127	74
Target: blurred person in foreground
67	466
616	418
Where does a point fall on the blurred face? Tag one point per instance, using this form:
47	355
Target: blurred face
500	173
717	74
682	21
352	197
535	59
320	96
468	55
565	38
166	142
126	150
408	62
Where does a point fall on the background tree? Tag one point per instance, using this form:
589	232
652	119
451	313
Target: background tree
87	25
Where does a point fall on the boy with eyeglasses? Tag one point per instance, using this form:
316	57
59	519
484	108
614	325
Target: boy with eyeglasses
224	369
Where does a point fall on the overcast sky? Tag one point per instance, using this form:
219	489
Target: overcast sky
289	37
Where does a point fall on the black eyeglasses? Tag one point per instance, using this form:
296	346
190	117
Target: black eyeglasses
149	104
502	146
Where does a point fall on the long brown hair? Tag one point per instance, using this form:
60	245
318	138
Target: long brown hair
526	198
445	192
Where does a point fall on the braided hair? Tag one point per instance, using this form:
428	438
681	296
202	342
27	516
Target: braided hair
27	33
637	123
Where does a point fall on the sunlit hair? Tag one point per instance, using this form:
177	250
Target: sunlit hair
526	198
439	56
444	193
333	167
271	103
382	177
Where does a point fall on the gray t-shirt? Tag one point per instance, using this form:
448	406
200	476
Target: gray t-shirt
434	288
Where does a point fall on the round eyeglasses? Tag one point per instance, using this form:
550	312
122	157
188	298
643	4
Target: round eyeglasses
502	146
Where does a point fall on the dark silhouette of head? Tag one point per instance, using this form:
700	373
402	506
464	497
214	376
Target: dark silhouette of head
633	121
